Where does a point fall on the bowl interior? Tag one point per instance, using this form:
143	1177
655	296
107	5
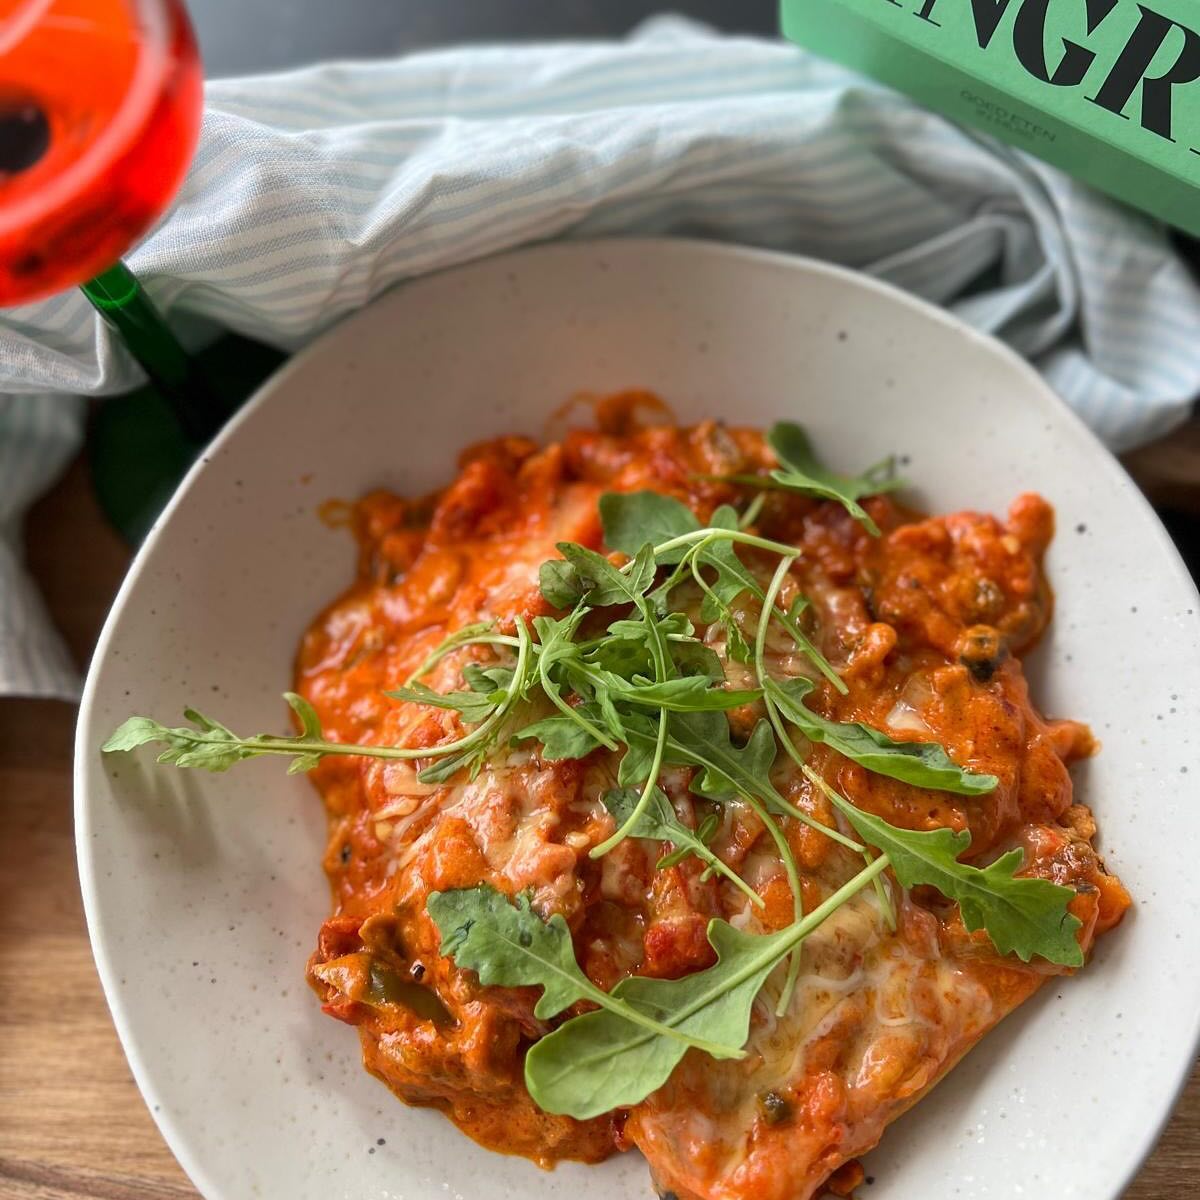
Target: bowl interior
204	893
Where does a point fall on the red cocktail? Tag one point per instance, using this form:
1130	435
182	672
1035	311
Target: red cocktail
100	105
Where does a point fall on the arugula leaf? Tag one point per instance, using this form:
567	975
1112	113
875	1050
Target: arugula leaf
726	517
641	744
689	693
801	471
923	764
605	584
473	706
210	746
508	945
704	740
674	626
733	577
443	769
626	651
560	737
490	687
598	1062
560	583
1022	916
659	823
556	638
696	659
632	520
470	752
625	655
494	681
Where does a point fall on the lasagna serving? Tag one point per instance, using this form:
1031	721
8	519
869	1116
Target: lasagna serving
683	795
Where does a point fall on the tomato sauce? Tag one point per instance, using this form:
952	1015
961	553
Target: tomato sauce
927	624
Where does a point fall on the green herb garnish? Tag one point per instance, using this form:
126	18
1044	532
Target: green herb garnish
613	1058
210	746
658	822
603	1060
638	682
801	471
508	945
923	764
1021	915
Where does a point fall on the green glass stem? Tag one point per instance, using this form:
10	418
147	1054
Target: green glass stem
119	298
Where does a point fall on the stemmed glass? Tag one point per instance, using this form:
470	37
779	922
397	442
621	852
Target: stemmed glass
100	104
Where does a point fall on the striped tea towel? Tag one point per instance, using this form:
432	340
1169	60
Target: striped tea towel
313	191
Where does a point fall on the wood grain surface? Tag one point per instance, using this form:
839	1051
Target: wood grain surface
72	1124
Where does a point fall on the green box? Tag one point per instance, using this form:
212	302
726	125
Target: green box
1109	90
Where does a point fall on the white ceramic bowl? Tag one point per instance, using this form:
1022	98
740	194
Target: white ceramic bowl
204	893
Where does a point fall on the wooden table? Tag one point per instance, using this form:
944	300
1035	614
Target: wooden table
72	1124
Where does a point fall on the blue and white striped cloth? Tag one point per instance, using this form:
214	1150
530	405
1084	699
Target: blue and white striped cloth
315	190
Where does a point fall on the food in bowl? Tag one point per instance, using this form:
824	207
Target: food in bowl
683	794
